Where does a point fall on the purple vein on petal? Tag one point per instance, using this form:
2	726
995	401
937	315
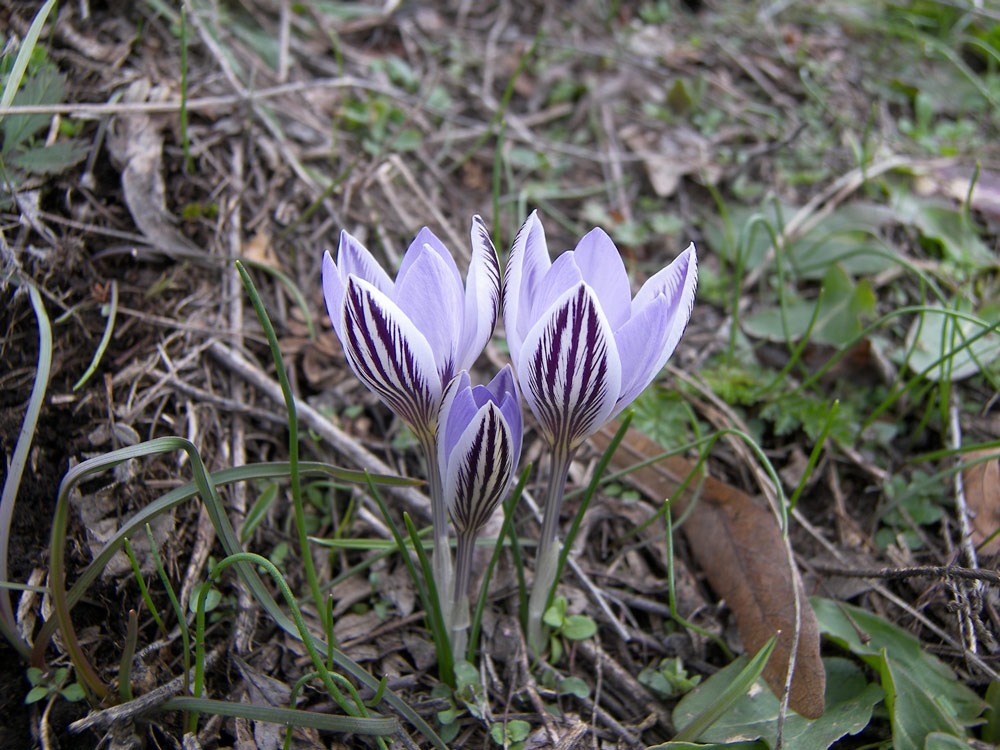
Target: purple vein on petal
528	262
482	295
483	471
572	369
386	357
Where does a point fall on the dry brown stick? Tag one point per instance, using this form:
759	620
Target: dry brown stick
903	605
202	103
532	688
968	595
246	609
130	710
943	572
623	680
416	503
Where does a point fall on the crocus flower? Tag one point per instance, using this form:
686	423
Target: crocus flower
479	442
584	348
406	339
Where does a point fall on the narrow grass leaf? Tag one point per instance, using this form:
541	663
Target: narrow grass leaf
287	716
227	538
109	327
24	54
19	459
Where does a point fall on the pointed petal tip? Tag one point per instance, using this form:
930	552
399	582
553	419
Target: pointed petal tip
599	235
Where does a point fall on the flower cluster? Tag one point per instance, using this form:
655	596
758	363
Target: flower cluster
581	346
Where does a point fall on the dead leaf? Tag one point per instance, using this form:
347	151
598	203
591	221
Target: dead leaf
260	249
263	690
674	153
956	181
136	144
982	495
738	543
397	587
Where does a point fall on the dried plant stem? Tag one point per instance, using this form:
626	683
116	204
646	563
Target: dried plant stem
547	558
943	572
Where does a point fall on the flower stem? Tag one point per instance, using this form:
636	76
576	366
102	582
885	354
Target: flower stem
547	557
460	600
441	562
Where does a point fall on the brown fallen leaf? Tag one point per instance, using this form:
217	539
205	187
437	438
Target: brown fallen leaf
982	495
135	142
738	543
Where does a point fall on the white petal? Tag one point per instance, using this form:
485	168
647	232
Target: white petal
528	261
333	293
569	369
482	296
641	343
563	275
390	356
679	279
427	239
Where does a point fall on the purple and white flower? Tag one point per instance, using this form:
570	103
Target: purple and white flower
582	346
406	339
479	444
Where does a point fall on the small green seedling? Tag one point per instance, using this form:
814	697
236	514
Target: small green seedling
511	734
570	627
669	679
469	696
44	684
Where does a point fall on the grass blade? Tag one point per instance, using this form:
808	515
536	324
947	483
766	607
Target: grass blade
109	327
8	626
24	54
287	716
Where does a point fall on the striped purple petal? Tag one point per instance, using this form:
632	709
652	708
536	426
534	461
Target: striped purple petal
390	355
504	386
479	470
353	259
570	370
458	407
